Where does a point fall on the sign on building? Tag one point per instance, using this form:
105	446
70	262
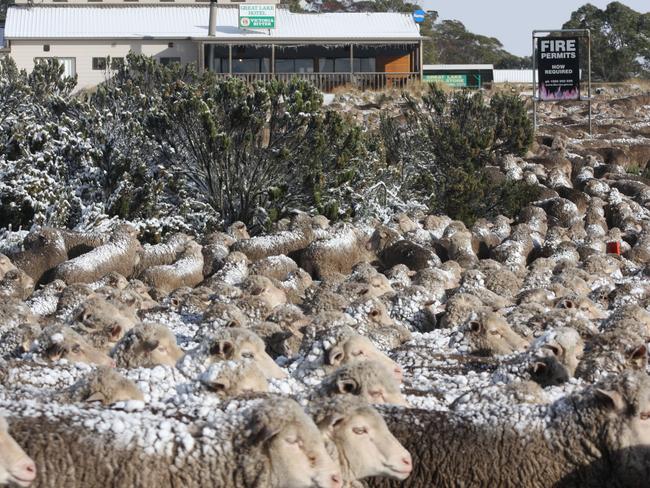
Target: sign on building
256	16
558	66
454	81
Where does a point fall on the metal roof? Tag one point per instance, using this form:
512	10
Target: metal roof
138	22
457	67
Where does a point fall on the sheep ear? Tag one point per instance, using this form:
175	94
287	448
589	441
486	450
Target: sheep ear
335	356
539	368
553	348
475	326
223	348
115	332
334	423
639	356
150	345
612	399
219	386
347	385
96	397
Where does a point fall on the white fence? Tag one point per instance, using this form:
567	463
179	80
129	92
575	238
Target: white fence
514	76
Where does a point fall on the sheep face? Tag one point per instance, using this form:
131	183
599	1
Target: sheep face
241	344
365	442
99	316
370	380
67	344
162	350
381	238
16	467
565	344
264	289
234	380
147	345
299	459
5	265
16	283
491	334
360	348
107	386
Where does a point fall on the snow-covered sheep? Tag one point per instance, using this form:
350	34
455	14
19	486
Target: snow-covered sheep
282	243
373	321
406	252
370	380
232	378
41	252
145	346
358	439
459	308
58	341
104	385
595	437
5	265
564	343
16	467
269	443
186	271
326	349
16	283
275	267
611	352
101	322
229	344
338	253
263	288
119	254
162	254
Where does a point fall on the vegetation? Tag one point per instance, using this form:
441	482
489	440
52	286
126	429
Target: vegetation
620	40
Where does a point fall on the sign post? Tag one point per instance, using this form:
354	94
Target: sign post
556	62
256	16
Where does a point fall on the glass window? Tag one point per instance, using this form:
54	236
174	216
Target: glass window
243	65
303	65
342	65
326	65
367	65
99	64
69	65
284	66
167	61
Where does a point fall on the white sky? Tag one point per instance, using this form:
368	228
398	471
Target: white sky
512	21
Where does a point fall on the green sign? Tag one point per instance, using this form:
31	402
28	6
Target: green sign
455	81
256	16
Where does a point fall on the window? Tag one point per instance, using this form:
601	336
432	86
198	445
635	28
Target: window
69	65
117	63
294	65
169	60
99	64
46	48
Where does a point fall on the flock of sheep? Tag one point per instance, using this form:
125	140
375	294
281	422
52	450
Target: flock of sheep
412	352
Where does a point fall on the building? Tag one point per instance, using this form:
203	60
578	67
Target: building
459	75
91	39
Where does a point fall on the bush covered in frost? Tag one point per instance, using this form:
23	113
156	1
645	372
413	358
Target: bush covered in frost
173	149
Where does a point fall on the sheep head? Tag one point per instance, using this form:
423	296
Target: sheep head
16	467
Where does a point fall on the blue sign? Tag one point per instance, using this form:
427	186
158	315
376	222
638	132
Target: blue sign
419	16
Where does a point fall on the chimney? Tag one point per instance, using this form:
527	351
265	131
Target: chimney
212	26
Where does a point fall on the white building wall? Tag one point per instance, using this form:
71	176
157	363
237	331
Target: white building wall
513	76
83	51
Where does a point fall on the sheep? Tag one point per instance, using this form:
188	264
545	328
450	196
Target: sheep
234	271
16	283
372	320
222	314
565	344
16	467
119	254
145	346
42	252
409	253
103	323
370	380
264	289
459	308
230	344
357	437
489	333
596	437
275	267
282	243
232	378
5	265
186	271
325	350
337	254
58	341
104	385
611	352
162	254
269	443
18	340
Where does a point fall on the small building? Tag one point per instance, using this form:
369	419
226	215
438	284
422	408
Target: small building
459	75
91	39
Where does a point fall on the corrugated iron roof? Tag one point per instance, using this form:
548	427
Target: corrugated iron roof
137	22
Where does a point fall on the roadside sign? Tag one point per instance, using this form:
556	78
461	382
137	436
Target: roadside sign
419	16
454	81
256	16
558	66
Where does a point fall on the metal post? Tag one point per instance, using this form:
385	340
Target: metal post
589	77
200	60
272	60
421	56
534	87
351	63
230	59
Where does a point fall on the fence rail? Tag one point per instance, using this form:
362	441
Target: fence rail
327	82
